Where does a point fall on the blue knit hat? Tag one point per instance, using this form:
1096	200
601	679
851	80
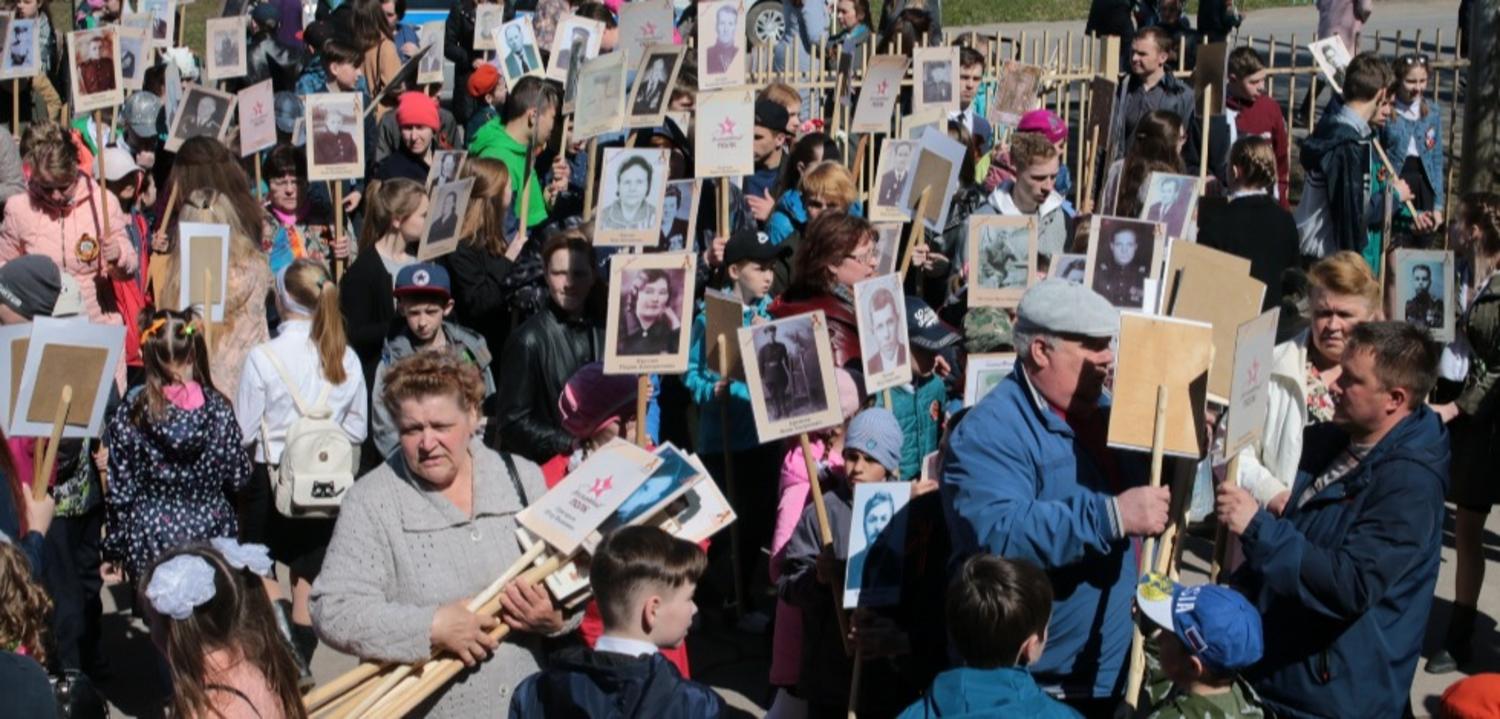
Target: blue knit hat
876	432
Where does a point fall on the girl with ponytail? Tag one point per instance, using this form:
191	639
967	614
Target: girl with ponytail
395	216
175	461
1254	225
310	347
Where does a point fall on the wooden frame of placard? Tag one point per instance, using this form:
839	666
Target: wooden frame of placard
557	63
100	99
66	352
1005	296
654	54
214	70
923	59
680	268
824	410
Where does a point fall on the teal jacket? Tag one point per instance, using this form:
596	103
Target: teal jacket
919	410
700	380
1006	691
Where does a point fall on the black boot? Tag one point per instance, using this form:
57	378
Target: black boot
306	641
1457	650
284	624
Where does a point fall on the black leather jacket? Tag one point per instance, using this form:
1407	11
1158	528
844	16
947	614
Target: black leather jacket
539	358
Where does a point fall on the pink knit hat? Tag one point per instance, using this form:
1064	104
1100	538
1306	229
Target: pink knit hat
1045	122
591	399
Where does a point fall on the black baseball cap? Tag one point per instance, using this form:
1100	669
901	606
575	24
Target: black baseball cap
752	245
771	115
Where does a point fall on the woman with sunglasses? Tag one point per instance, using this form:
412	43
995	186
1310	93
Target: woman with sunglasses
1413	137
61	215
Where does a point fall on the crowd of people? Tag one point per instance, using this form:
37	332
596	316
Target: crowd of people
374	423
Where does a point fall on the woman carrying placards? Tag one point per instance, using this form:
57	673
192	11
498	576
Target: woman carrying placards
837	251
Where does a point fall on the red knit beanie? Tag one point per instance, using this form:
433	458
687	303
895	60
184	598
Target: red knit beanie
484	80
417	108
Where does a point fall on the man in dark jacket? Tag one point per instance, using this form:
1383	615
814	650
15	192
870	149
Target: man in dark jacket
1336	208
1151	86
546	350
1344	578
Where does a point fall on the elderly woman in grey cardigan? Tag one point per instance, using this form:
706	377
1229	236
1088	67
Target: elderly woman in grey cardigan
425	531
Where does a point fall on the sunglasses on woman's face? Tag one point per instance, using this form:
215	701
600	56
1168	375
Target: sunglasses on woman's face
1413	60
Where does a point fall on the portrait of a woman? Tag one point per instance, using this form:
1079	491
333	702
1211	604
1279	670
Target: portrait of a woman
650	324
630	211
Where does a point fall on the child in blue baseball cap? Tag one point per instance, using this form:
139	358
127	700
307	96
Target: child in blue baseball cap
1209	634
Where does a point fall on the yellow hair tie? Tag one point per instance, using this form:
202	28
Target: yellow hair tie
151	331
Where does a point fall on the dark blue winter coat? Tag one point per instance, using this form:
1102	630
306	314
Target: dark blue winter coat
1344	582
586	684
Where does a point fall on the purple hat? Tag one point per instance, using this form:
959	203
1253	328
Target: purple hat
1045	122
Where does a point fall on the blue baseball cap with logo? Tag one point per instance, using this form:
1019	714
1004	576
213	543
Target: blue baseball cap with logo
423	278
925	329
1217	624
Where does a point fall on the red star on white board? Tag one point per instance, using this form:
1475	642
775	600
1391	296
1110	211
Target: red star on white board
602	485
1253	373
727	126
882	87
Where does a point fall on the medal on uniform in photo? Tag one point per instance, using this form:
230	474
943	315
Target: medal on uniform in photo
87	249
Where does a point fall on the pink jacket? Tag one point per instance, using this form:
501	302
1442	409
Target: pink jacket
786	644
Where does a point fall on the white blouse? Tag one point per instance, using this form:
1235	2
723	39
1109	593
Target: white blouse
263	396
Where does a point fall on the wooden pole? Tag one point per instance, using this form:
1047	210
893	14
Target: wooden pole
44	476
588	186
854	681
1221	537
642	397
208	309
825	533
1208	104
918	228
723	185
260	193
15	107
729	486
859	166
338	228
1395	174
1137	640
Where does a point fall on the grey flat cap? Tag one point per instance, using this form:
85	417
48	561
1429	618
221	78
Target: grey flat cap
1061	307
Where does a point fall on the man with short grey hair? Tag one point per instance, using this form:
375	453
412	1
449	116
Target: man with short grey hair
1028	475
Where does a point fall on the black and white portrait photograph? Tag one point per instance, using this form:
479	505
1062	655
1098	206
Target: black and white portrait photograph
21	49
630	197
982	372
1171	200
518	53
936	79
672	476
1002	259
1017	92
430	67
649	325
679	215
881	304
789	367
335	136
135	57
1123	255
573	30
1331	57
877	544
721	44
887	246
445	218
653	86
1073	268
163	21
601	90
488	17
226	42
203	112
891	173
95	69
445	167
1424	290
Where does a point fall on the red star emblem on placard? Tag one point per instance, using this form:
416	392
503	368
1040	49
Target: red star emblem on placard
1253	373
602	485
727	126
648	30
882	87
260	109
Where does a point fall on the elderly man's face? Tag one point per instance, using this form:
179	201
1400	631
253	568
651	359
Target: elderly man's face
877	518
513	38
1071	372
1168	192
903	157
1123	247
333	122
1421	278
725	26
204	112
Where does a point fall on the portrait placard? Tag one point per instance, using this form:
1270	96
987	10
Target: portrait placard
65	352
877	544
446	165
721	44
205	259
568	513
14	339
95	69
644	23
918	123
649	326
793	388
881	304
135	56
897	160
1173	201
488	17
939	158
335	135
519	56
887	246
723	141
1249	393
226	56
163	14
723	316
601	89
430	68
632	186
935	84
572	30
670	479
984	372
1073	268
445	219
1331	57
1161	351
1425	291
1019	86
22	49
1123	256
679	215
1002	259
654	80
257	114
700	513
203	112
878	94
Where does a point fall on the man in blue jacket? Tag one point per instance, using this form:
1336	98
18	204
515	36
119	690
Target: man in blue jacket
1028	475
1343	580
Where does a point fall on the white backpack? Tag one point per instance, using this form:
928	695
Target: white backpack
317	459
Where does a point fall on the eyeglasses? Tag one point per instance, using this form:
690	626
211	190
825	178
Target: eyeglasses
1412	59
865	258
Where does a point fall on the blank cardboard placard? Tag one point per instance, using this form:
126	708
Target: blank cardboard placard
63	365
1182	254
723	315
13	342
205	258
1249	398
1161	351
66	352
1212	71
1224	301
